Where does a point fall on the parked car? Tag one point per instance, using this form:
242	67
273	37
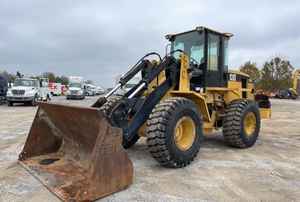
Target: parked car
99	90
3	88
26	90
286	94
90	90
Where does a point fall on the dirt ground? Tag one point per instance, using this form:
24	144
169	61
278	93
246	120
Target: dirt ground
269	171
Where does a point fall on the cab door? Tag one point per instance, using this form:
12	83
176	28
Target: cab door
214	74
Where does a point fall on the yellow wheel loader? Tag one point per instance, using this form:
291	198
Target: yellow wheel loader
295	90
78	153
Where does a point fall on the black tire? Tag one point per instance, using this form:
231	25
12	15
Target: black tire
107	109
34	101
160	132
233	124
10	104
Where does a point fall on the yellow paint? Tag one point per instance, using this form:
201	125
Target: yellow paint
208	127
184	80
249	124
296	77
198	99
233	91
142	130
184	133
265	113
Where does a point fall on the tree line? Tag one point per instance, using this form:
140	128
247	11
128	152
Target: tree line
50	75
274	75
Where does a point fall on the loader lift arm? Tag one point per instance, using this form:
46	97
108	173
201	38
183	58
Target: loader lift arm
133	109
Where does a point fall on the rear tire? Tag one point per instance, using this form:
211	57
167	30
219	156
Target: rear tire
174	132
107	109
10	104
238	131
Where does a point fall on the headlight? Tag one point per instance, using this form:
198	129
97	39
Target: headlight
80	92
68	92
9	93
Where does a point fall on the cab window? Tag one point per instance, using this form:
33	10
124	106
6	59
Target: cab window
213	52
197	53
191	43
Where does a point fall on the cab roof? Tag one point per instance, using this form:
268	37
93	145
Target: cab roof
200	29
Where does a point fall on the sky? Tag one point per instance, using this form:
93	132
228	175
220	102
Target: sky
102	39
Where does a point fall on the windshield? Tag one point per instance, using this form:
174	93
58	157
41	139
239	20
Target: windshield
192	43
75	85
26	82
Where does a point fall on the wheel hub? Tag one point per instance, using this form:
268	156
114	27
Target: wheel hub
185	133
250	124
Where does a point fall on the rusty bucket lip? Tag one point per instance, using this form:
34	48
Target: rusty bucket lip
73	106
57	194
41	180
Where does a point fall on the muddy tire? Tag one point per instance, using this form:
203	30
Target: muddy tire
174	132
107	109
241	124
109	105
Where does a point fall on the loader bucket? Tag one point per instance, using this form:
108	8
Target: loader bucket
76	153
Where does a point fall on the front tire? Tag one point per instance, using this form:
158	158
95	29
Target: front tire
34	101
10	103
107	109
174	132
241	124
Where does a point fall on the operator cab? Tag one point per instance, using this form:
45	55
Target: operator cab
208	53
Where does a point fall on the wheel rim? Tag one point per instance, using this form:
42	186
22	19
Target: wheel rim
185	133
250	124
